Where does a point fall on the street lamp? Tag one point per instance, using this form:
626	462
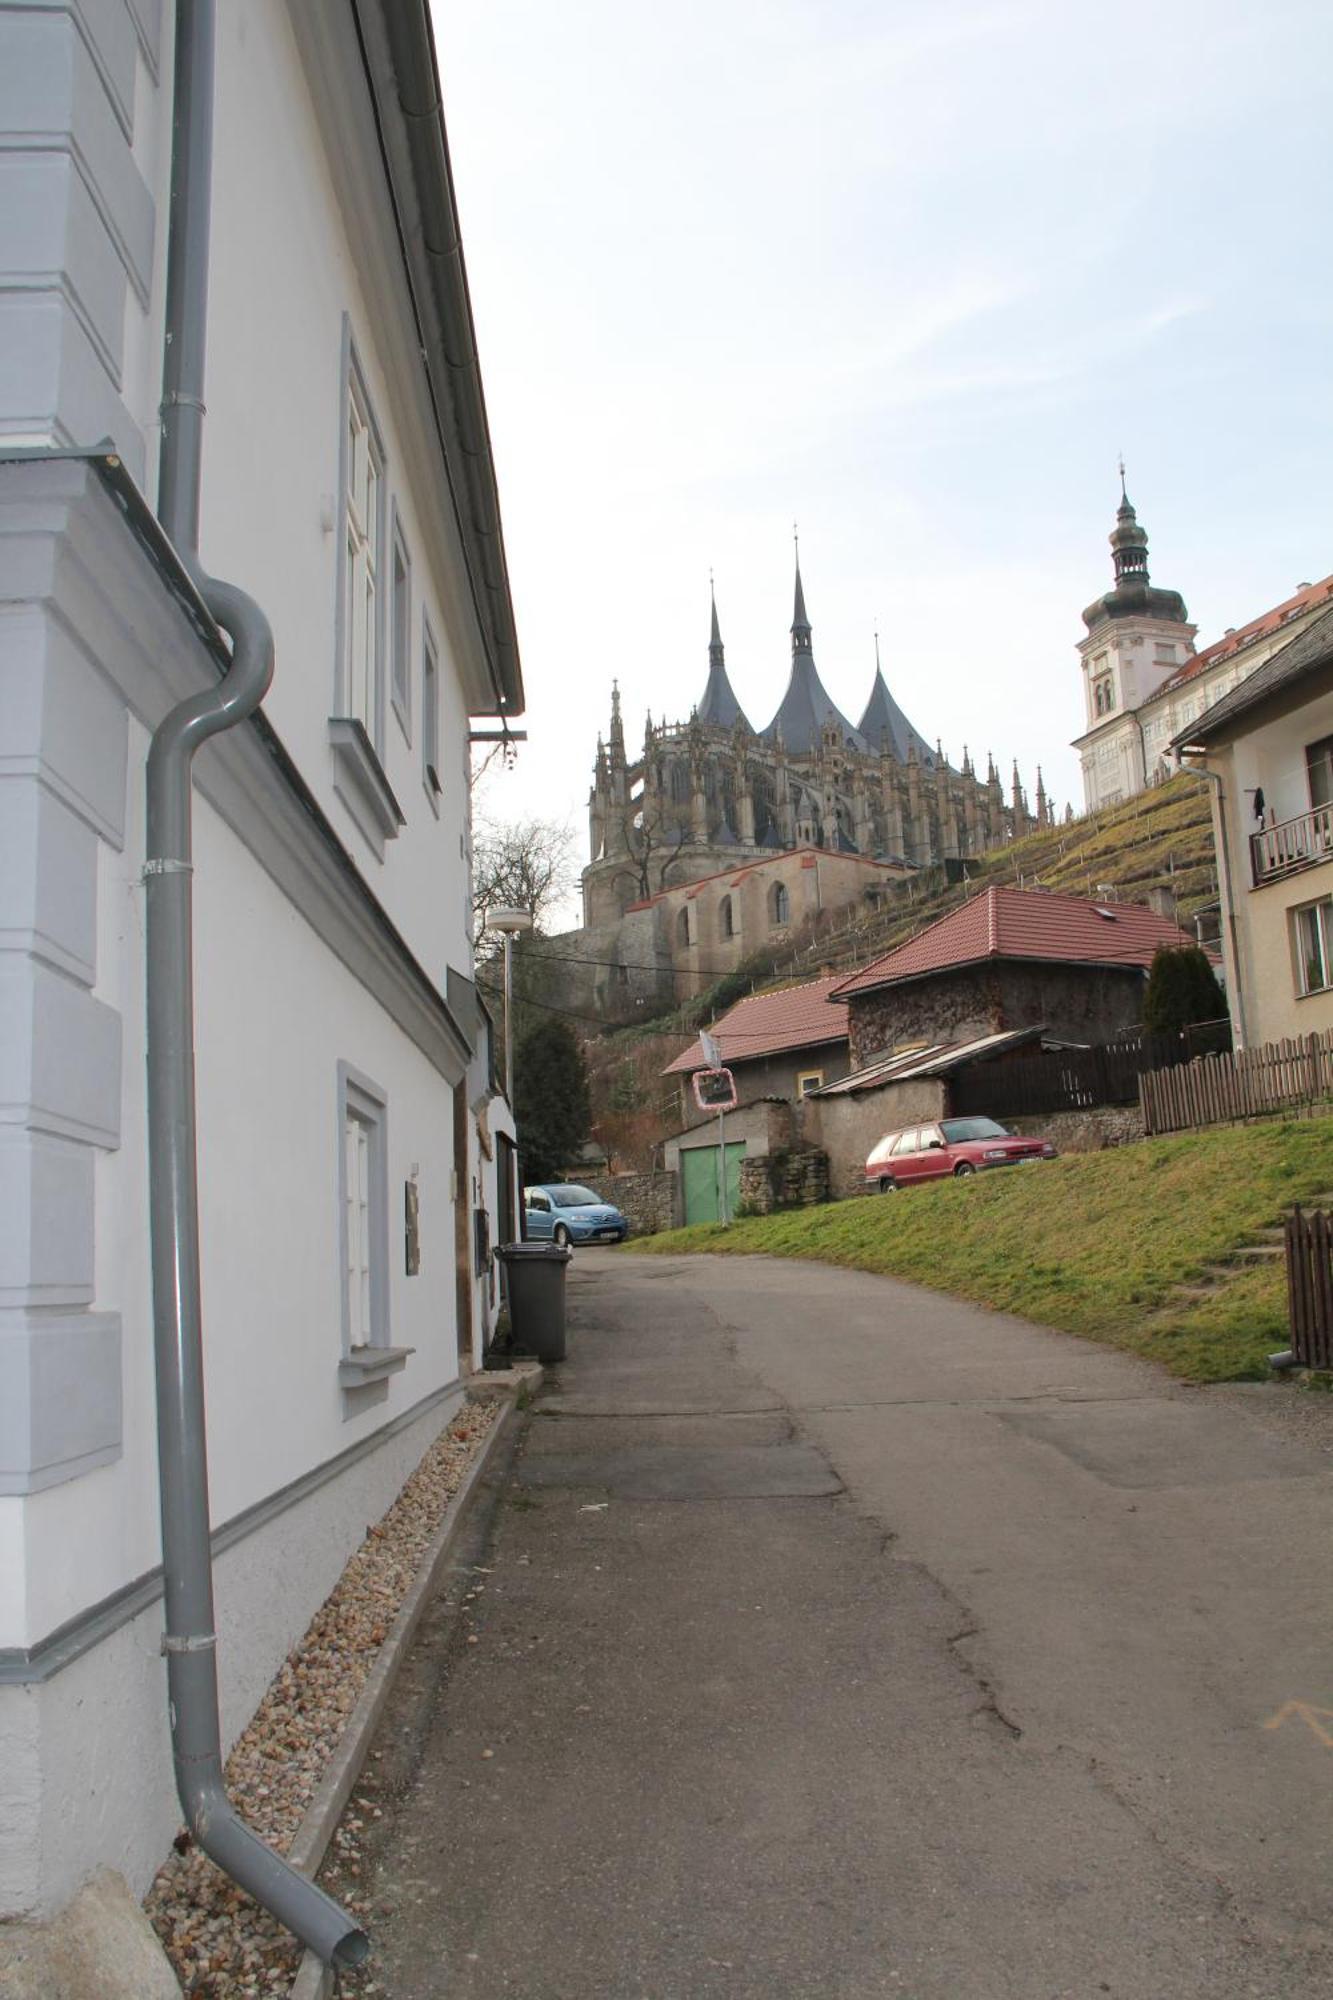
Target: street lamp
509	923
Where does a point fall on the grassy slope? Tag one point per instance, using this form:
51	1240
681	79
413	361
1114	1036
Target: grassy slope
1093	1243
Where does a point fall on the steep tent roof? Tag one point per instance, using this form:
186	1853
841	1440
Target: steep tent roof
768	1024
883	718
719	705
807	705
1004	923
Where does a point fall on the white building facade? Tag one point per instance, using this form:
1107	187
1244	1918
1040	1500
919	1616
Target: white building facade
352	1143
1143	681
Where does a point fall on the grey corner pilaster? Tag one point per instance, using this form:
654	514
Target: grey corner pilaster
63	767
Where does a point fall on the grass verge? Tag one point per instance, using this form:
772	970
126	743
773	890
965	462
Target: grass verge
1096	1243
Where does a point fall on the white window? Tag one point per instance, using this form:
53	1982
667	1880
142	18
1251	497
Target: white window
809	1079
363	524
364	1221
430	716
400	630
1314	946
357	1141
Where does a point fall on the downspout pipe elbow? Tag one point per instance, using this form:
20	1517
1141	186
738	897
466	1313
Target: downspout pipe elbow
190	1639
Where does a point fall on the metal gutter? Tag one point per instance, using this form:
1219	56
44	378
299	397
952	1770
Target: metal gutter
398	51
1236	1000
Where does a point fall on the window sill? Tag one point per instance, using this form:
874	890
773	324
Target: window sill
361	784
371	1364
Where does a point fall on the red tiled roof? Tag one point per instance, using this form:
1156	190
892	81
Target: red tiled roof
767	1024
1308	599
1022	923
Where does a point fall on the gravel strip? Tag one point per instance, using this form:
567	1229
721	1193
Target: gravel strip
221	1943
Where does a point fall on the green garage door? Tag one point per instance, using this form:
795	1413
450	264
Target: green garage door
698	1165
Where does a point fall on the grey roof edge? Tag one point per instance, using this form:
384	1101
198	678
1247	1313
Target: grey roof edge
1304	655
398	52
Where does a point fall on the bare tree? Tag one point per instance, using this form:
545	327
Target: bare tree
525	864
651	849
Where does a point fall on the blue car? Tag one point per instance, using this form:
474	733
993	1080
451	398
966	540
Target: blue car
562	1212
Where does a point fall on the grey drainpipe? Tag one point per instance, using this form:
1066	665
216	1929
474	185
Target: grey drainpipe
190	1641
1236	999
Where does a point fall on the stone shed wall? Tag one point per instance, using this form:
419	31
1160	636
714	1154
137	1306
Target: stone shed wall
1074	1003
848	1126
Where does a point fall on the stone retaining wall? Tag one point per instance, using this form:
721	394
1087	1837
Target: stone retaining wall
648	1201
1085	1131
784	1180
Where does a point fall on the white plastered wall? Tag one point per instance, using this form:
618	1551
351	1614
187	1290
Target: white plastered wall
284	272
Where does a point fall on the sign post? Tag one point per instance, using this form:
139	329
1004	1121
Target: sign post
722	1166
715	1090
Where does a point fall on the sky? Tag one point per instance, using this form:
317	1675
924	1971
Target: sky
913	277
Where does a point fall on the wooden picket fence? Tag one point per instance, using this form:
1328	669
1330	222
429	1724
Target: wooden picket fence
1248	1083
1310	1287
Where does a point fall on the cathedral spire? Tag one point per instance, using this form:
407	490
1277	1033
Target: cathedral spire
801	638
719	708
883	722
807	708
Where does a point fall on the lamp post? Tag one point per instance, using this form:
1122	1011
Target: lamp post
509	923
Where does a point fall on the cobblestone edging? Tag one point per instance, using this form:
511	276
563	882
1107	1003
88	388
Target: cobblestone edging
294	1766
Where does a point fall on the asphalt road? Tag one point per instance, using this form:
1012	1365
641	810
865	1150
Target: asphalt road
833	1638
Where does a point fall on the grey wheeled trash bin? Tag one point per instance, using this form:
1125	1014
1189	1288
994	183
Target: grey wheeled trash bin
535	1277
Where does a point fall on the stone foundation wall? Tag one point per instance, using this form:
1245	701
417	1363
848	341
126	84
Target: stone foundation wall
648	1201
1085	1131
784	1180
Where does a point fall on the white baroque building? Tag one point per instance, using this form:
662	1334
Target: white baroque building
353	1154
1143	680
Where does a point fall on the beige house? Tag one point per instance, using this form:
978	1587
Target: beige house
1267	747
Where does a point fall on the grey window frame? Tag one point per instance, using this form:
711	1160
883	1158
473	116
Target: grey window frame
400	658
360	1098
358	750
354	374
431	782
1320	913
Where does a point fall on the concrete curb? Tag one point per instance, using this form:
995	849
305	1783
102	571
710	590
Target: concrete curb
315	1980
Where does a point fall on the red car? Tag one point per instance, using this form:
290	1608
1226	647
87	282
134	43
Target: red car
957	1146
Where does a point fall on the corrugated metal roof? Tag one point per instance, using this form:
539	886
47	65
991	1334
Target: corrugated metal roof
767	1024
936	1060
1022	924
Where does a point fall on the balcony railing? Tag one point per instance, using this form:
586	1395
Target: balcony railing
1292	844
